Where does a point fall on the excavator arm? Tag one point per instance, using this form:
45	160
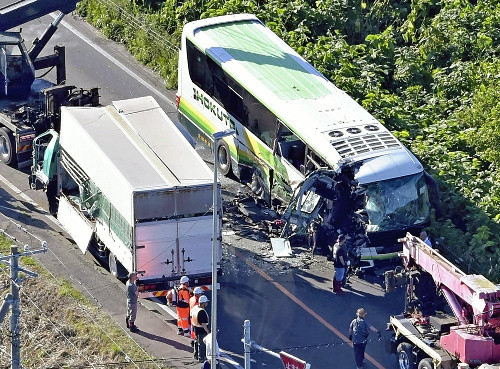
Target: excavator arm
13	13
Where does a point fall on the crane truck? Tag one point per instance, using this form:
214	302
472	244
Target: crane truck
451	319
29	105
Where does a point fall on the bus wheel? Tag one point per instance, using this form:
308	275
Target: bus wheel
7	147
223	158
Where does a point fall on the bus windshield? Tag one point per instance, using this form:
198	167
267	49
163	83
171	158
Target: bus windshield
397	203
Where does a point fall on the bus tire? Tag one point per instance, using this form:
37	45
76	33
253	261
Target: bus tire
426	363
223	158
405	356
7	147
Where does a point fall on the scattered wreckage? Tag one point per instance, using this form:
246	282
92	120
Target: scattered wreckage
328	203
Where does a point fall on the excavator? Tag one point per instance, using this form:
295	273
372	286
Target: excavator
451	319
29	105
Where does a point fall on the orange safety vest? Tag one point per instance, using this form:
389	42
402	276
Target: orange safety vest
193	301
183	312
183	295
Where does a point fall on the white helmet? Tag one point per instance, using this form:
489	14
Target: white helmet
198	291
203	299
184	279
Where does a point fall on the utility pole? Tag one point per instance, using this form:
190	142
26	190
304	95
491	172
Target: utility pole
12	298
215	242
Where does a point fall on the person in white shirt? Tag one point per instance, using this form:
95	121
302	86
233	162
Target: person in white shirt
208	345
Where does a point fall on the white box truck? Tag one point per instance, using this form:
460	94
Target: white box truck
123	179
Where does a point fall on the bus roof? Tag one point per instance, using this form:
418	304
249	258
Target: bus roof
299	95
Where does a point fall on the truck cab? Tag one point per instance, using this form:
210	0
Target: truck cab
17	72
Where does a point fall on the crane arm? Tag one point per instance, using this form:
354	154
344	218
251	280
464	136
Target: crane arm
475	290
13	13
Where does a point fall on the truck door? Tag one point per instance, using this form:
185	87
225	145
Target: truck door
195	245
156	245
308	199
174	247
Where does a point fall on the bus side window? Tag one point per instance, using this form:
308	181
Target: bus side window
220	87
261	122
289	146
197	65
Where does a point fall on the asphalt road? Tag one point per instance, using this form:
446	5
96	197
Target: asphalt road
289	308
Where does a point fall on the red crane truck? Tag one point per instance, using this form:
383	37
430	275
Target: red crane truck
451	319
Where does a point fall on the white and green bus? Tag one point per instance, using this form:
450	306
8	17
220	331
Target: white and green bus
290	124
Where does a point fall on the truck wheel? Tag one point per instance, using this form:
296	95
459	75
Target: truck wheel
7	147
405	356
426	363
115	267
223	158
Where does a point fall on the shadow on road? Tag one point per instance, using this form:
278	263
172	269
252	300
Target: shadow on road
154	337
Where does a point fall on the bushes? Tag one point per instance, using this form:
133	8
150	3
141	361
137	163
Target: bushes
428	69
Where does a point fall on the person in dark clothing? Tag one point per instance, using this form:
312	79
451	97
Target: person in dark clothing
358	335
200	325
339	263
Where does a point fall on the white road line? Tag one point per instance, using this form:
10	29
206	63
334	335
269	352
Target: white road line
229	360
29	200
115	61
162	305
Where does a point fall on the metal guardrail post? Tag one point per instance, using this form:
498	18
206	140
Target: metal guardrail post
288	360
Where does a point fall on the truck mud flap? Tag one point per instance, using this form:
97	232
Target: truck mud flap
78	227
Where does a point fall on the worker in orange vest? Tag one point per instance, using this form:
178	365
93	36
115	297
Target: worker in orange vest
193	301
179	296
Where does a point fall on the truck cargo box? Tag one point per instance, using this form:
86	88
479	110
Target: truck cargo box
133	147
145	186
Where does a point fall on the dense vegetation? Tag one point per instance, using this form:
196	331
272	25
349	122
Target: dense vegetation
428	69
